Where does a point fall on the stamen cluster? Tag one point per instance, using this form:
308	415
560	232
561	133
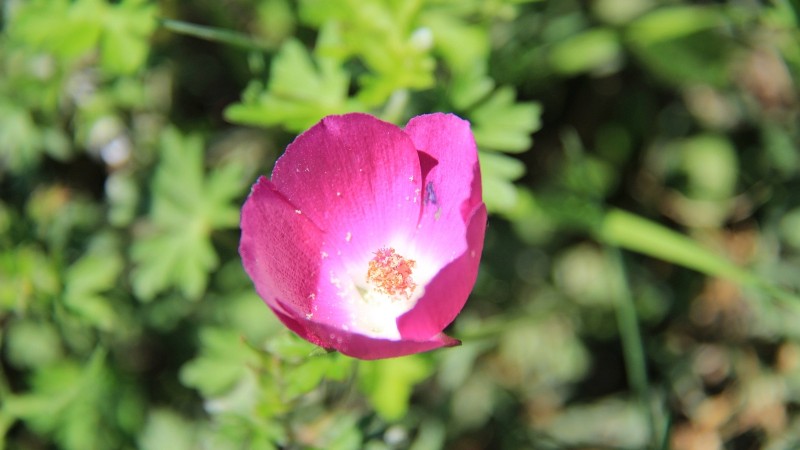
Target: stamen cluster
390	273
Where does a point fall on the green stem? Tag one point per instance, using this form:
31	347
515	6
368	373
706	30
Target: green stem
395	107
631	336
213	34
6	420
5	423
631	232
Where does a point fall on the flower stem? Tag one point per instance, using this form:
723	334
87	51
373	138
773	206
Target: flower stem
395	106
213	34
632	346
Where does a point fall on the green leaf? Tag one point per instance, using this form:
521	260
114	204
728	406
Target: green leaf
20	140
498	171
32	344
28	279
384	36
590	176
73	29
501	123
276	20
779	149
462	45
595	49
213	34
587	422
711	166
432	434
288	346
681	45
636	233
65	401
306	376
501	166
665	24
222	363
388	383
301	91
173	259
127	29
94	273
166	429
343	434
470	86
65	28
187	206
232	430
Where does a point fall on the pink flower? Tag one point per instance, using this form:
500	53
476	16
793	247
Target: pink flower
367	238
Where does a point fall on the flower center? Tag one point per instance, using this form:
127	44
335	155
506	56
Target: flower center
389	273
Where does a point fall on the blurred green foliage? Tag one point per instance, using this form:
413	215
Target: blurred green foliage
130	132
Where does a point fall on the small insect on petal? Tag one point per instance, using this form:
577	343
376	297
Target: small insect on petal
430	194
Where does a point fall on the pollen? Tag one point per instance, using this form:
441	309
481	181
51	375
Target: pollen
390	273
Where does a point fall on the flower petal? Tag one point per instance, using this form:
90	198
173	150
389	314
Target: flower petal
446	294
451	186
280	252
455	179
358	178
364	347
453	221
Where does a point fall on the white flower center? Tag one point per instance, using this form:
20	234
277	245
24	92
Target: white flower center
386	287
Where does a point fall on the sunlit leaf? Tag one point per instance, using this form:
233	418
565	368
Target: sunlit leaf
664	24
498	172
384	37
65	402
470	86
388	383
501	123
597	49
461	44
166	429
88	278
72	29
231	430
188	205
639	234
344	434
20	142
127	28
28	279
301	91
32	344
222	363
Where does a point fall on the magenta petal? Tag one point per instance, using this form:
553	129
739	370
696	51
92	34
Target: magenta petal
357	345
280	251
454	183
452	187
301	329
446	294
364	347
355	176
452	224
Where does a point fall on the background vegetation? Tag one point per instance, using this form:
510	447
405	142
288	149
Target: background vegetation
637	286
